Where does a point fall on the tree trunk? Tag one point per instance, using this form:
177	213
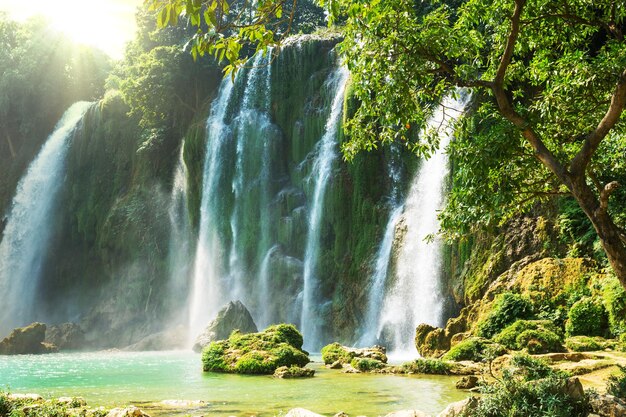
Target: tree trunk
610	235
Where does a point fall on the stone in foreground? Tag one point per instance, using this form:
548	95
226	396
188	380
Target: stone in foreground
256	353
235	316
301	412
293	372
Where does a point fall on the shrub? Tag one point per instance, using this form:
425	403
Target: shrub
473	349
254	363
539	341
508	308
587	317
366	364
427	366
548	333
614	300
616	384
531	388
588	344
5	405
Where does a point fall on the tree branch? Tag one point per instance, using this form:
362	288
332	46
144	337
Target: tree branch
605	194
610	119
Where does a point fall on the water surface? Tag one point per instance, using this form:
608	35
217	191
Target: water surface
139	378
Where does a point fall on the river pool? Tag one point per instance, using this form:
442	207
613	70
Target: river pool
146	379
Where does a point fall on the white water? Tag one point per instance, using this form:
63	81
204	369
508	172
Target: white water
180	235
416	295
26	236
322	167
206	290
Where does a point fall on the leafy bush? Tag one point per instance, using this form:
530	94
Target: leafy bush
508	308
539	341
616	384
5	405
427	366
256	353
548	333
588	344
587	317
366	364
614	300
531	388
473	349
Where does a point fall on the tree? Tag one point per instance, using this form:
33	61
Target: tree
549	86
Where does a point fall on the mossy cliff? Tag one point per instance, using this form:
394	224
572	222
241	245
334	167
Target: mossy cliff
109	265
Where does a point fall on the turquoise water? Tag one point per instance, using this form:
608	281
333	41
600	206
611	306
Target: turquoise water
147	378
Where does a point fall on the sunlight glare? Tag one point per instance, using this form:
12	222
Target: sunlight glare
106	24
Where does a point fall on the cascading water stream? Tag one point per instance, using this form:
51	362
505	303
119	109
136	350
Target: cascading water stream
416	295
320	175
180	235
206	287
27	233
252	125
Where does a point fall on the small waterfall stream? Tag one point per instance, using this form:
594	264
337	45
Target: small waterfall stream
205	292
310	322
27	233
415	295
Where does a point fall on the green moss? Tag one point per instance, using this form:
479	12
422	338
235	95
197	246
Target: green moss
587	317
473	349
588	344
616	384
366	364
335	352
537	336
507	308
427	366
256	353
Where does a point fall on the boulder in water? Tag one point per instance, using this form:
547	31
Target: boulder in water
127	412
235	316
66	336
301	412
256	353
293	372
27	340
337	352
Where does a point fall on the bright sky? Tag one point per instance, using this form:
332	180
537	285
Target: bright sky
106	24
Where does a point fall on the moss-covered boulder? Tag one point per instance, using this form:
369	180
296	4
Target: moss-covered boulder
256	353
474	349
26	340
536	336
336	352
507	308
431	342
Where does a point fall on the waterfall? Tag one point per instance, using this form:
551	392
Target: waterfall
415	295
27	233
205	295
180	235
321	173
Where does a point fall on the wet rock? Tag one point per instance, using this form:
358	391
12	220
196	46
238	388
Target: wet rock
455	409
336	365
336	352
25	397
166	340
301	412
431	342
293	372
235	316
183	403
66	336
73	402
467	382
26	340
349	369
407	413
341	414
608	406
127	412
